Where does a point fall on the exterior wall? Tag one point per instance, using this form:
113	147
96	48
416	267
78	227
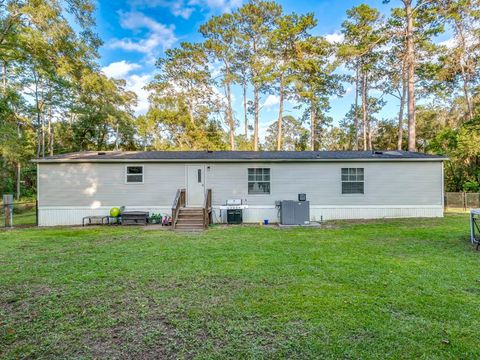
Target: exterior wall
67	192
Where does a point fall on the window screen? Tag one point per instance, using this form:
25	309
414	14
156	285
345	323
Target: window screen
259	181
352	181
134	174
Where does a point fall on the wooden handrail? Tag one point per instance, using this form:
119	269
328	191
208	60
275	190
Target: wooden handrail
207	208
178	203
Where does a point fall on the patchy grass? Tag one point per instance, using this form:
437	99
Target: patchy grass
379	289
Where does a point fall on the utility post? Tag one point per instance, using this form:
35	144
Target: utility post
8	209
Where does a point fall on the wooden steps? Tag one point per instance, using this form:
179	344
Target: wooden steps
190	219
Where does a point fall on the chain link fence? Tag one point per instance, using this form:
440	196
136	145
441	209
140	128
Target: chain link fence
24	214
462	200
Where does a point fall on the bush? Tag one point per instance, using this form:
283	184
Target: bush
471	186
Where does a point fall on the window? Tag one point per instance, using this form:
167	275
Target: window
352	181
258	181
134	174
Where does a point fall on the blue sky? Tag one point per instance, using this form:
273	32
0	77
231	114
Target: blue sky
136	32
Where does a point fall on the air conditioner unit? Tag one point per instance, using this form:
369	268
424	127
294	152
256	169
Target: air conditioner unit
295	212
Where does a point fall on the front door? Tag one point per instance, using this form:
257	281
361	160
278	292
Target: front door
195	185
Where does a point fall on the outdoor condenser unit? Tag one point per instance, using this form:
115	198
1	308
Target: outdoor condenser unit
294	212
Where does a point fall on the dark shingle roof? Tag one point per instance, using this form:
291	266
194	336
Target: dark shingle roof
236	156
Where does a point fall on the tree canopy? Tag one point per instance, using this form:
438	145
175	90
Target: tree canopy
210	94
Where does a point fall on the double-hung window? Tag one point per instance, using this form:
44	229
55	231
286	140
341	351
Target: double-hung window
258	181
134	174
353	181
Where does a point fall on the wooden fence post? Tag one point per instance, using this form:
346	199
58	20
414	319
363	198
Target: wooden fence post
8	209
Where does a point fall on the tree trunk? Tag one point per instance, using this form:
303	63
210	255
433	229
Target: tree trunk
411	76
43	135
19	174
4	80
364	110
256	110
190	112
355	120
466	92
231	123
50	132
280	115
116	137
312	126
245	109
39	121
369	132
465	77
400	113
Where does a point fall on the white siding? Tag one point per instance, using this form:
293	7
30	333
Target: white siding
67	192
96	185
386	183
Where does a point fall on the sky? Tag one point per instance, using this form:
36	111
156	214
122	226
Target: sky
137	32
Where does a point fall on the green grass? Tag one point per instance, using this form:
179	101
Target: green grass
25	218
24	215
383	289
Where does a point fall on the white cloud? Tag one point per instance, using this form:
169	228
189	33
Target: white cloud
218	5
271	101
119	69
449	43
137	83
336	37
134	82
157	34
263	128
179	10
185	8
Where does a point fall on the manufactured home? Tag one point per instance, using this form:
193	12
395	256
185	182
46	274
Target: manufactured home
336	184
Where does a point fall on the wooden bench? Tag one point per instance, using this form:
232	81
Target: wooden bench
97	220
134	218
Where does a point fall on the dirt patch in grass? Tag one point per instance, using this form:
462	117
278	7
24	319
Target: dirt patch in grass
152	337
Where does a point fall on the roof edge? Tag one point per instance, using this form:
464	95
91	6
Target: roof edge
53	161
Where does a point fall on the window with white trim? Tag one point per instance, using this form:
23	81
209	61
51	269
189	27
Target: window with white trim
134	174
353	180
258	181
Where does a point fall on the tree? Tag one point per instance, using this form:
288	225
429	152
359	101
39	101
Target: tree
184	73
315	81
43	46
364	34
295	136
285	40
103	113
420	23
221	32
256	21
459	63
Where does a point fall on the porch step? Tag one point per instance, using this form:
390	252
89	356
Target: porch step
191	210
189	227
183	216
190	219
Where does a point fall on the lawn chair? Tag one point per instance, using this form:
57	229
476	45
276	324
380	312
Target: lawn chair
475	227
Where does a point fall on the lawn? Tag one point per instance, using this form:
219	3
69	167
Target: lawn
405	288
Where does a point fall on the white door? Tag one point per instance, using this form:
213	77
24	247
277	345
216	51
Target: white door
195	185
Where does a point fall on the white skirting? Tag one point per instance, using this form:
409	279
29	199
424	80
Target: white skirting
68	215
318	212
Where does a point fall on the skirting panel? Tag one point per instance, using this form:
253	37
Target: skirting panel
67	215
318	213
256	214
